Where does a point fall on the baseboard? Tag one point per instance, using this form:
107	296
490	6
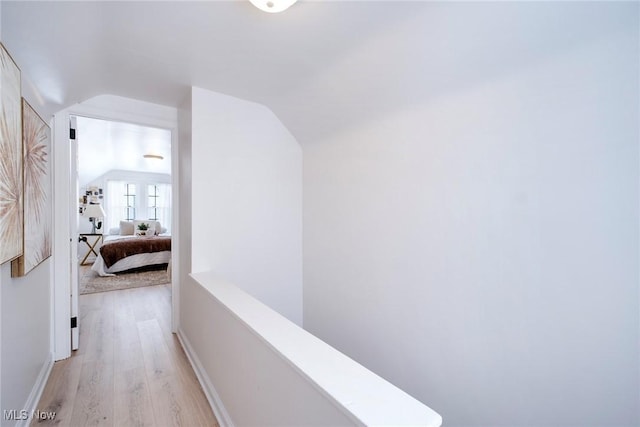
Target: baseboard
209	390
36	392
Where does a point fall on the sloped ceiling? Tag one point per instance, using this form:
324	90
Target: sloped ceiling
321	66
106	145
154	51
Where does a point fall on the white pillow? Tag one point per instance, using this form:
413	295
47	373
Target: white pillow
126	228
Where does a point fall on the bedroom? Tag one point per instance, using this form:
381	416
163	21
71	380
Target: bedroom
124	214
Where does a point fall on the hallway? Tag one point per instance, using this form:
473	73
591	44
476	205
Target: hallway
130	369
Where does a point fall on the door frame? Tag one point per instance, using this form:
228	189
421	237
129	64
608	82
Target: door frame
66	207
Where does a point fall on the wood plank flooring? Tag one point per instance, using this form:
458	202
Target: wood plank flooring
130	369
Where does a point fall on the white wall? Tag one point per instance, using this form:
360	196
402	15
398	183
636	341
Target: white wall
478	247
25	324
253	383
259	368
184	207
247	199
26	334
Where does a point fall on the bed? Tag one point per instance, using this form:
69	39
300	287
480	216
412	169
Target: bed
121	253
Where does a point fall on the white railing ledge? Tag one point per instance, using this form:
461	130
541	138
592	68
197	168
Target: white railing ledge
360	393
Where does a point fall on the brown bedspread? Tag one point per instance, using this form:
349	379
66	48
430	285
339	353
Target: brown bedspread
116	250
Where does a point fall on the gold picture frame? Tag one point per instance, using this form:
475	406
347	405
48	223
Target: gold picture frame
38	215
11	166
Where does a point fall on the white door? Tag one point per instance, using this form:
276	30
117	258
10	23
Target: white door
73	228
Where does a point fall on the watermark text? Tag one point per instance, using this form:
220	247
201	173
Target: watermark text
23	415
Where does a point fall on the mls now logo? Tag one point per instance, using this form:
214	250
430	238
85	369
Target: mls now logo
15	415
22	415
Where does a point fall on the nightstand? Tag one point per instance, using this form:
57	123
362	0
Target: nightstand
92	241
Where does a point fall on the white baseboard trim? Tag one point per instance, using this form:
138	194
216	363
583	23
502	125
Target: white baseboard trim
209	390
36	392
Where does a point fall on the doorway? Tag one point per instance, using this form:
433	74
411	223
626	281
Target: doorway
116	114
124	198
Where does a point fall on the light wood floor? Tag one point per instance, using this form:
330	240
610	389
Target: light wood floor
130	369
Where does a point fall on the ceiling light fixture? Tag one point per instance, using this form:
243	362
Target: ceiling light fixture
153	156
272	6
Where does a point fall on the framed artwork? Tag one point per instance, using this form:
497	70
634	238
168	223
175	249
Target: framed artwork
38	201
11	172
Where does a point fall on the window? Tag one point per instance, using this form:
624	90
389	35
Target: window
127	201
130	201
120	203
152	210
159	204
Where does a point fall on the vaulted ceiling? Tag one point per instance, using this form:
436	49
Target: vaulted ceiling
154	51
106	145
321	66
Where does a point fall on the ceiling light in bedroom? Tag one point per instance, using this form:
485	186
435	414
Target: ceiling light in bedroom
153	156
272	6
